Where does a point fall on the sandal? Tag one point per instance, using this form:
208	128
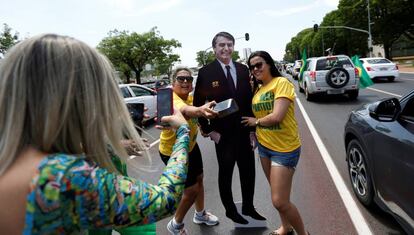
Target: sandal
290	232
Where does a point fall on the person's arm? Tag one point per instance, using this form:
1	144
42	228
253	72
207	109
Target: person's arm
280	108
106	199
205	110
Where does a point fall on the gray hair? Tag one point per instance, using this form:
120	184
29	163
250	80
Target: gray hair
59	95
177	70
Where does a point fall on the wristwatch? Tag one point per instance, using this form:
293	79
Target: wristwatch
257	122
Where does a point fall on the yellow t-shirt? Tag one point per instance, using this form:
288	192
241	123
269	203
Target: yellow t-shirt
284	136
167	137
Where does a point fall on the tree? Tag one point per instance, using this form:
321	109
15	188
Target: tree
136	50
204	57
390	20
163	65
7	39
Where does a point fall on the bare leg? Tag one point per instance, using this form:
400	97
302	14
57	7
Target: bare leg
281	185
267	165
186	202
199	200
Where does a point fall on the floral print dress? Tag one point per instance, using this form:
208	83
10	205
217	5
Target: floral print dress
70	194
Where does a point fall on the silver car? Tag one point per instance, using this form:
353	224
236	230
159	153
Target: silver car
329	75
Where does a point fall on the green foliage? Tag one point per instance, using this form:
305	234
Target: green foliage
390	19
204	57
7	39
133	51
163	65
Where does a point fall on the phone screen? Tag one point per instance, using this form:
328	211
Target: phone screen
164	104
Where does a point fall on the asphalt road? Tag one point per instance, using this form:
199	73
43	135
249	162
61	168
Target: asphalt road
314	191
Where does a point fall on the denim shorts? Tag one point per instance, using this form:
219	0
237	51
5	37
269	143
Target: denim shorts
289	159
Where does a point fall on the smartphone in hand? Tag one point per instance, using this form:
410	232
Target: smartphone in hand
164	104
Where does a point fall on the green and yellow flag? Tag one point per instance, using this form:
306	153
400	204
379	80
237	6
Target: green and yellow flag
302	68
364	78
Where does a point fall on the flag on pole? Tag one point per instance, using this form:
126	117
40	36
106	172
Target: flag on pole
364	78
302	68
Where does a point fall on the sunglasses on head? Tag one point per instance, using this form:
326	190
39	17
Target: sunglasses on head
258	65
184	78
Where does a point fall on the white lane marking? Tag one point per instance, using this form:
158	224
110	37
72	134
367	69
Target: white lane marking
355	214
154	143
404	79
385	92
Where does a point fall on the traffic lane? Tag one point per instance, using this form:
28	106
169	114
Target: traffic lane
329	115
399	87
322	206
313	193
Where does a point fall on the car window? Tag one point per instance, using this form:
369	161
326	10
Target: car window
298	63
139	91
125	92
333	62
408	111
379	61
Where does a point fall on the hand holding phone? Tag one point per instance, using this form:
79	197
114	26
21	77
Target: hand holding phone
164	104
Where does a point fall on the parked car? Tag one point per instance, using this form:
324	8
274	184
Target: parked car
329	75
162	83
135	93
378	68
288	68
150	85
379	143
296	69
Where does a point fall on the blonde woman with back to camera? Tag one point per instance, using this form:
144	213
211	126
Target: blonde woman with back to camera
62	121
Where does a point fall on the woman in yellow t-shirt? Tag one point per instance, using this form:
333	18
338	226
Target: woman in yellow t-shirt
194	189
277	136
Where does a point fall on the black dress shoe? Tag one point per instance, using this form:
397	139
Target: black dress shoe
253	213
236	217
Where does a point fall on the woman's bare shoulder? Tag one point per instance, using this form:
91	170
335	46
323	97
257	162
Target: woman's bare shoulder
14	187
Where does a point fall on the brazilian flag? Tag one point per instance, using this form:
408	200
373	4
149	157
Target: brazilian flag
364	78
302	69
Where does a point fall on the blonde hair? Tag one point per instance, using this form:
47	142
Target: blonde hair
59	95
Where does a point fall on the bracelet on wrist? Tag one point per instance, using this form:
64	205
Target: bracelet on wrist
257	122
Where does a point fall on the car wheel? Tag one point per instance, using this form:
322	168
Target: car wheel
359	173
337	77
309	97
391	79
296	77
353	94
300	88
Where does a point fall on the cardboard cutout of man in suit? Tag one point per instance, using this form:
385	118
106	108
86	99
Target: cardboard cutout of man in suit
220	80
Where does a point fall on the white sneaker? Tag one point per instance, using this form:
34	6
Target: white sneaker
175	231
207	218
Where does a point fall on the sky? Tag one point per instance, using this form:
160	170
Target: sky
270	23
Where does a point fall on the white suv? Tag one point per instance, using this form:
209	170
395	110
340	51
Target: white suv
329	75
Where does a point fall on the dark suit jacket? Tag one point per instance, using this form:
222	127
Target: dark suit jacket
212	85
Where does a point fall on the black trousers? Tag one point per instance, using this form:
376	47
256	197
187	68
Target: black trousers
232	149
